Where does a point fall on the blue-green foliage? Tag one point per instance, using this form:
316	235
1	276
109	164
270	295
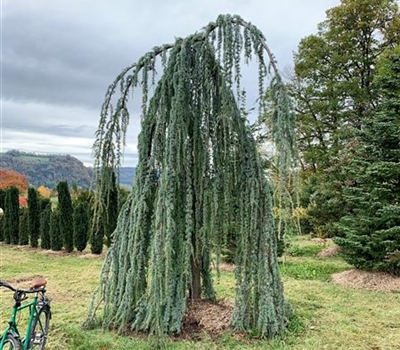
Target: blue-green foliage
199	178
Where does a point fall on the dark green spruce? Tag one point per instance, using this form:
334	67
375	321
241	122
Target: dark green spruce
372	227
199	175
334	94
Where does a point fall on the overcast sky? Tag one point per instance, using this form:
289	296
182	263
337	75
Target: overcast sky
58	58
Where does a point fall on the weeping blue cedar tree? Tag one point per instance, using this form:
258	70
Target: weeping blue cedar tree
198	171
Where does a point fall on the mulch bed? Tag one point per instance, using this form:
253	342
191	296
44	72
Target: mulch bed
205	317
378	281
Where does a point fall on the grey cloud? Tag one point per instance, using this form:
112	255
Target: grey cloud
55	62
60	56
59	130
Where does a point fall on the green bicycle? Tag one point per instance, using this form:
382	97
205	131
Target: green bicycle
38	320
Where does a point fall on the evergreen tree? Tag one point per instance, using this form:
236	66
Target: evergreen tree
2	206
24	227
56	238
372	227
198	169
45	217
66	215
81	225
111	203
12	216
97	233
334	93
34	216
123	194
43	203
6	221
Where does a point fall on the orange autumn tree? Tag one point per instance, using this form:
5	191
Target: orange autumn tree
44	191
9	178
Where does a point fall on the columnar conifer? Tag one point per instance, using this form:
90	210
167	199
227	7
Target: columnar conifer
45	217
56	239
2	206
24	227
198	169
66	213
96	238
81	225
111	202
33	216
12	215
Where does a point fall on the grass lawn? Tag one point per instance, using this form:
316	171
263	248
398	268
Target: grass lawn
327	316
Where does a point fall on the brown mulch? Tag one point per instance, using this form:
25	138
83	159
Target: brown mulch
329	251
80	255
378	281
53	252
204	316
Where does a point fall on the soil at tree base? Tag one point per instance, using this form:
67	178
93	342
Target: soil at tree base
204	316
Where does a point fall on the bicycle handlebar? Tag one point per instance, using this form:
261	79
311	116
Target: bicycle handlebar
31	290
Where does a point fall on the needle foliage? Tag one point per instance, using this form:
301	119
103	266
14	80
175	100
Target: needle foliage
199	179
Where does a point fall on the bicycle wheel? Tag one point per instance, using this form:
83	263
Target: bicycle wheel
11	343
40	328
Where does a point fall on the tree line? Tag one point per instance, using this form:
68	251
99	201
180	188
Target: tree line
63	222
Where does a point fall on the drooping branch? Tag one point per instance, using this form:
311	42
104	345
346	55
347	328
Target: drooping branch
198	179
128	78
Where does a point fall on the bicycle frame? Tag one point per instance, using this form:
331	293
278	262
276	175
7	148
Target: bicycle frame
12	324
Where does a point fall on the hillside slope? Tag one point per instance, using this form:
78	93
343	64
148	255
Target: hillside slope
48	169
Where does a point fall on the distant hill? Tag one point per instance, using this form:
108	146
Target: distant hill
50	169
47	169
126	176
